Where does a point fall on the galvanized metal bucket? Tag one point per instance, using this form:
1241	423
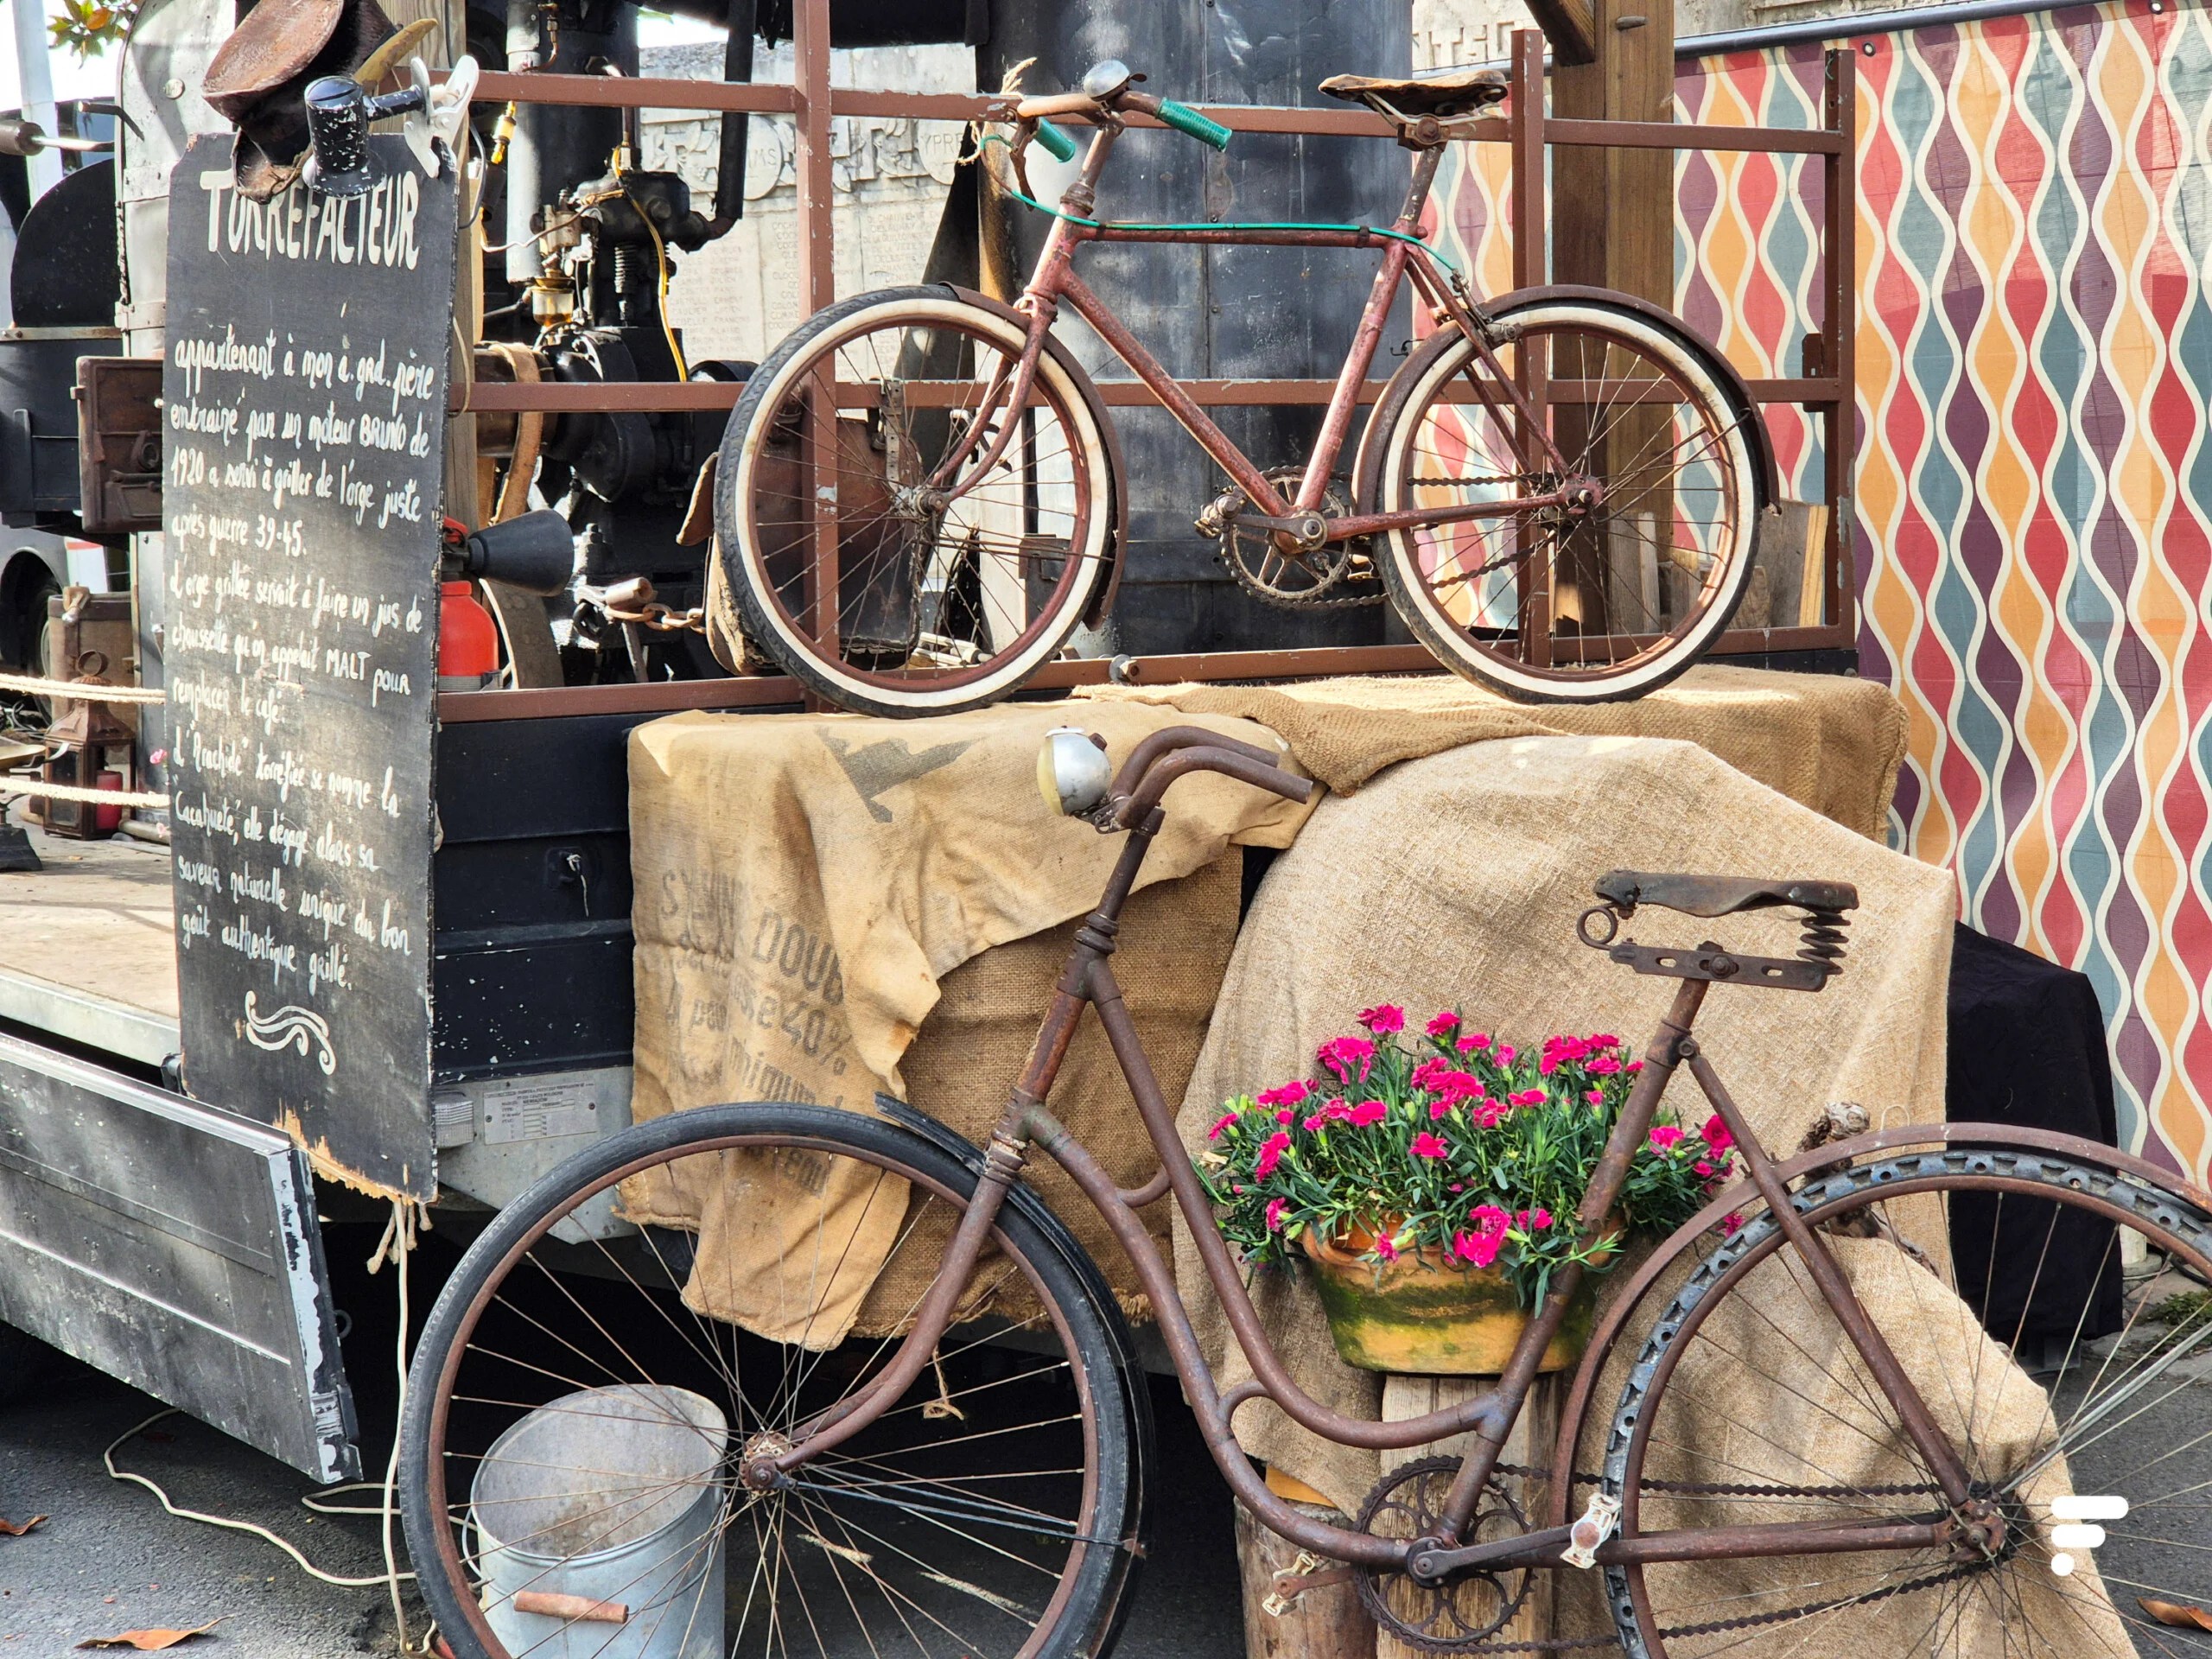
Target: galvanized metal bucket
597	1526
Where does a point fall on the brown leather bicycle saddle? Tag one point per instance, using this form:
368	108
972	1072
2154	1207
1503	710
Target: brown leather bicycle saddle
1721	895
1452	93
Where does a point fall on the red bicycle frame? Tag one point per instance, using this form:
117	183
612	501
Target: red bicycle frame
1054	280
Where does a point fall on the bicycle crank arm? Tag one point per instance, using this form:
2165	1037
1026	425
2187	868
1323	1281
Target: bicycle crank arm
1433	1563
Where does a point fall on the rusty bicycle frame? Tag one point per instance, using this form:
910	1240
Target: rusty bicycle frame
1298	525
1968	1521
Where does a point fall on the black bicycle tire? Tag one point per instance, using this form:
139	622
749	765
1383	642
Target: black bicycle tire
1395	411
752	608
1095	1605
1841	1192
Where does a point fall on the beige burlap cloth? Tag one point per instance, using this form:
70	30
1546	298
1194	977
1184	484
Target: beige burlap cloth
1455	880
807	887
1827	742
827	906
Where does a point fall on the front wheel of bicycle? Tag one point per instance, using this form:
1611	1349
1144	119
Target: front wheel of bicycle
2052	1316
690	1294
1592	553
898	532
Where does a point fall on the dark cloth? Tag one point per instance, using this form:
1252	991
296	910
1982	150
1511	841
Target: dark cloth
2027	1049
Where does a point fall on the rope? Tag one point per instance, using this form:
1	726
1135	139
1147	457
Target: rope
407	1218
1035	205
9	785
74	691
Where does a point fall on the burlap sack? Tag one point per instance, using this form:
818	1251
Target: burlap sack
802	883
1455	880
1827	742
1176	940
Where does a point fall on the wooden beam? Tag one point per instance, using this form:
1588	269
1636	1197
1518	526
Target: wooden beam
1570	26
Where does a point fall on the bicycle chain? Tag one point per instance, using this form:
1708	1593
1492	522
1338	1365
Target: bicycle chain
1706	1489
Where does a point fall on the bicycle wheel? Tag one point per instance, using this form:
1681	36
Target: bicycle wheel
583	1399
962	566
2051	1370
1543	602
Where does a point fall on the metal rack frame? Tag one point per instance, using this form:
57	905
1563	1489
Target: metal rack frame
813	102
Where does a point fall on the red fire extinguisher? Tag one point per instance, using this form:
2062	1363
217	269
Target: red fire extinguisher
468	643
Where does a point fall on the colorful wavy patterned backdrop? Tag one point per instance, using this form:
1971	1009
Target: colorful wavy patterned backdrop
2034	499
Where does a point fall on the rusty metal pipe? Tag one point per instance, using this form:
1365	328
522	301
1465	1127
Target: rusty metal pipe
1152	745
1259	773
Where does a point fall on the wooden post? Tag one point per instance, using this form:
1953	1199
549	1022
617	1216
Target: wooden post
1613	226
1326	1622
1530	1447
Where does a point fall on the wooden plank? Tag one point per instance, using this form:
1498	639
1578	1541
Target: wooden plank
91	955
173	1246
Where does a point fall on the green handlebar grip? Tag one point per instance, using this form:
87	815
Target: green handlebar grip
1184	119
1059	142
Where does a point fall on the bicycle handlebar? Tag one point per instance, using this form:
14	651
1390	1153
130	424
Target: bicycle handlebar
1038	111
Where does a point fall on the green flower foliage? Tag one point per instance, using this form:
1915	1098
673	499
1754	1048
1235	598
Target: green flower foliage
1453	1143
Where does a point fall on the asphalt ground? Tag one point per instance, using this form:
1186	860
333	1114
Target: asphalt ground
107	1559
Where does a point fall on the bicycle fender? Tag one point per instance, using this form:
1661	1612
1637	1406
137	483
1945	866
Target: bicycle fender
1118	509
1808	1165
1057	1232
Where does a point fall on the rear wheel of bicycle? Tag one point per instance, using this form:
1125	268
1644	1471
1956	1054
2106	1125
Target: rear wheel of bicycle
587	1392
2054	1320
1547	602
870	432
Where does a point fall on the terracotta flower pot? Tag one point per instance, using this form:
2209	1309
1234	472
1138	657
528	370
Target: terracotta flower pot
1427	1315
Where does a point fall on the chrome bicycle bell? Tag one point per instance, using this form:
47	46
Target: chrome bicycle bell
1073	773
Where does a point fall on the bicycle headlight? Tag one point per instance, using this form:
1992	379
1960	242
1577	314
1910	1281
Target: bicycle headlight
1073	773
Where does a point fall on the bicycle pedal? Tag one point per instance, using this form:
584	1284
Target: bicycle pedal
1305	1573
1599	1522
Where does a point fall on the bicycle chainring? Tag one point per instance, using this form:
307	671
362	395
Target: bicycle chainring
1312	580
1470	1612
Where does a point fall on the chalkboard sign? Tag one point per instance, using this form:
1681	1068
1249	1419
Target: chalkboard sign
304	411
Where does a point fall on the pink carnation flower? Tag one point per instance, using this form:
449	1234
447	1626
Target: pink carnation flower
1664	1136
1472	1043
1428	1146
1275	1214
1526	1097
1214	1134
1369	1112
1271	1154
1444	1024
1489	1218
1383	1018
1438	1109
1605	1065
1479	1250
1284	1116
1340	1054
1386	1249
1729	1223
1716	1134
1289	1094
1540	1218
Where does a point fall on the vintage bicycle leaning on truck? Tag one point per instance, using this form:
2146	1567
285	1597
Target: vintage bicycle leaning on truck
971	1480
919	496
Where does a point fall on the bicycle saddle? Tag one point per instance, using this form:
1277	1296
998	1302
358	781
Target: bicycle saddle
1720	895
1452	93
